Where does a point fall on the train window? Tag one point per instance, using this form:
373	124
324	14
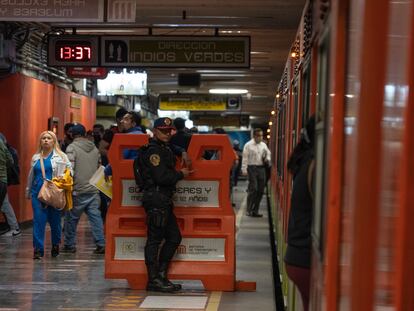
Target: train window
321	143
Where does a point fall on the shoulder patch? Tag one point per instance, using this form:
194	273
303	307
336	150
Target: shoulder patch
155	159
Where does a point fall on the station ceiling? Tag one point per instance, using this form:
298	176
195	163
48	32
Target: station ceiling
271	25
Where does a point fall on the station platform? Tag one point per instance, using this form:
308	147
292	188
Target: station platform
75	282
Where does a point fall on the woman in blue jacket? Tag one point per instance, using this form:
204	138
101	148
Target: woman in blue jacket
53	158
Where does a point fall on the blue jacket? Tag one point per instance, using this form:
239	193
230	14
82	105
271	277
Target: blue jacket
129	154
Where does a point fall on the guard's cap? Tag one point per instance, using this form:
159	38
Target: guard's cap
163	123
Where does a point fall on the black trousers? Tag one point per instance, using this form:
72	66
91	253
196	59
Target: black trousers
168	232
257	183
3	192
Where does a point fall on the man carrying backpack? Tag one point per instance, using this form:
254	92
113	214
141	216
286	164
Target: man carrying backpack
7	165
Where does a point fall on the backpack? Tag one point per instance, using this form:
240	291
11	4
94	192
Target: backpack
13	170
138	167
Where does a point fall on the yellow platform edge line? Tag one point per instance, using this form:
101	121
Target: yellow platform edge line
214	301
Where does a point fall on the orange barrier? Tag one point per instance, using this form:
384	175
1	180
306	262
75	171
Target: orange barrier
203	210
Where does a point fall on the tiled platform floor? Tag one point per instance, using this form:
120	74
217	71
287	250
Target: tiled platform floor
76	281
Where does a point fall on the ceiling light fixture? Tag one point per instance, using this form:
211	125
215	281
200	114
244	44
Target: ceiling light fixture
228	91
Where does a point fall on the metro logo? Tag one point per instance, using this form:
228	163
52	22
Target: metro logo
181	249
121	11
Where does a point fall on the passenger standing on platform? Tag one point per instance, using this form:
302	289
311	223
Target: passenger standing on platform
158	180
5	160
298	252
119	115
98	132
6	207
256	156
67	139
130	124
182	137
85	160
237	166
53	157
104	145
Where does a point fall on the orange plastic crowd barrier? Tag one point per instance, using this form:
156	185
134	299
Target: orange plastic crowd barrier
203	210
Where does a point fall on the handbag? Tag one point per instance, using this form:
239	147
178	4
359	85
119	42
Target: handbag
50	194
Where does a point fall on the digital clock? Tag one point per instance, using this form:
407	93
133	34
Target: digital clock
75	51
68	50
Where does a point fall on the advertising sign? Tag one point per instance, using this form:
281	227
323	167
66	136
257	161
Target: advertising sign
190	249
172	52
189	193
52	11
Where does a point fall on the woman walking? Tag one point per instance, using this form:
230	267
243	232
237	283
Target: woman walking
53	161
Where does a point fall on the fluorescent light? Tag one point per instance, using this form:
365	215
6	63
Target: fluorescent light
228	91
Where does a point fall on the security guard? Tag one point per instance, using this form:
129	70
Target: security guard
159	178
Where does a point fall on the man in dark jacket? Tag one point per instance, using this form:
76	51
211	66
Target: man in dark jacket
159	179
181	138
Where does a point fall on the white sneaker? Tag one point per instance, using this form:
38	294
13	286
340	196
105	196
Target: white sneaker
13	233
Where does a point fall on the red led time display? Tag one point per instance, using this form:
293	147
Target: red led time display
80	53
73	50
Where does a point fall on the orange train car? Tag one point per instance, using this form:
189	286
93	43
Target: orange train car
352	65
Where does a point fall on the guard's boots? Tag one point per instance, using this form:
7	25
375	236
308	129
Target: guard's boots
163	272
156	283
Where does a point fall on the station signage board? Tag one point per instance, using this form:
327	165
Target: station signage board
173	52
199	102
149	51
87	72
52	11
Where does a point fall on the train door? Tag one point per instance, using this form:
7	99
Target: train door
321	144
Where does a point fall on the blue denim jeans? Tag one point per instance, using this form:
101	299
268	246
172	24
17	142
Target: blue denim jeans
88	203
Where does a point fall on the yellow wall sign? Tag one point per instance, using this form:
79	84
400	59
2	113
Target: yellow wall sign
194	102
193	106
106	111
75	102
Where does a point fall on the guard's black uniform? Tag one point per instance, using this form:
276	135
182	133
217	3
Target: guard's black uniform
159	179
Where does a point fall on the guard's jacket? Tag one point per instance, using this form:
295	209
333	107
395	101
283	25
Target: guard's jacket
158	168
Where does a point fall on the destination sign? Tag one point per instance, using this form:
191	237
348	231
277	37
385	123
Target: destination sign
199	102
52	10
171	51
